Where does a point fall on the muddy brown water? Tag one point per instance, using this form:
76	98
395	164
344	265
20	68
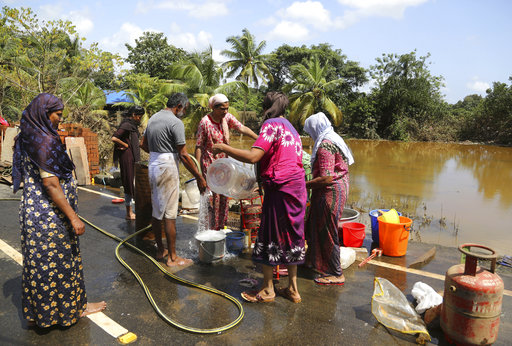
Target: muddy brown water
455	193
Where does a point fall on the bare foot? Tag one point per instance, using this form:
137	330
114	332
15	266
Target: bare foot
161	256
179	261
94	307
289	294
130	216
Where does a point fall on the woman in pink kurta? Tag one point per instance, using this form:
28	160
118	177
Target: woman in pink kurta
213	129
280	240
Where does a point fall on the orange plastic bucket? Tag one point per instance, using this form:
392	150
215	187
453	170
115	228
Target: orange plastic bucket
353	234
394	237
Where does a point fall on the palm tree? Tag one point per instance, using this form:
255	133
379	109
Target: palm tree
309	90
199	103
247	61
199	71
201	75
149	93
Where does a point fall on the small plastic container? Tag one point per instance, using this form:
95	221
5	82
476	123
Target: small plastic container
192	191
347	257
235	242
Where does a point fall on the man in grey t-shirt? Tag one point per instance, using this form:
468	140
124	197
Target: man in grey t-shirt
164	139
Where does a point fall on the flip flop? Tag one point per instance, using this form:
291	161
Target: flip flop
255	297
285	293
118	200
323	280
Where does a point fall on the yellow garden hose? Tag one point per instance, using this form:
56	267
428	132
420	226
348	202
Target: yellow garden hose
187	282
177	278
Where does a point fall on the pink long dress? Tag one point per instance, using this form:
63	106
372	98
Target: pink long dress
209	133
280	237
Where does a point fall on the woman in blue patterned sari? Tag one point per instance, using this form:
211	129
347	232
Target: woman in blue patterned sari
53	289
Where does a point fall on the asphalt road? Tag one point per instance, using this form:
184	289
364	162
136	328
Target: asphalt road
327	314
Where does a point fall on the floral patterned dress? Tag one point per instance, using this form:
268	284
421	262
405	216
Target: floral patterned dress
280	238
53	290
326	208
209	133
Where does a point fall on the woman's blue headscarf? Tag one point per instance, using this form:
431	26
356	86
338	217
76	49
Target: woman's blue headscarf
40	141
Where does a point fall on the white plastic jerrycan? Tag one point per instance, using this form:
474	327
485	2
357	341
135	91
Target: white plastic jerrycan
232	178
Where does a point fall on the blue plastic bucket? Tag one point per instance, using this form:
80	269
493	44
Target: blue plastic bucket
375	223
235	242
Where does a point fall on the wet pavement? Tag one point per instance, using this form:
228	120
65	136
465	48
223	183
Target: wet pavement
327	314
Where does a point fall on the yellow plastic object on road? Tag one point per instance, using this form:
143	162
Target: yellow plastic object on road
127	338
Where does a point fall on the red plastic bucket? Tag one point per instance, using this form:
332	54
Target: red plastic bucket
353	234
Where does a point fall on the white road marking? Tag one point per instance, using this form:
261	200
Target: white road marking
107	324
98	192
102	320
11	252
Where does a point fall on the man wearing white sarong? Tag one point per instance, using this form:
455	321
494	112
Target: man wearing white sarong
164	139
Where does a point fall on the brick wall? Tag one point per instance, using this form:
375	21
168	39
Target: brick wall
91	143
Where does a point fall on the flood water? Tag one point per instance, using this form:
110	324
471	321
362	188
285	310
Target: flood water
454	193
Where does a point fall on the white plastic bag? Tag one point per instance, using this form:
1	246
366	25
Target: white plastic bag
391	308
347	257
425	296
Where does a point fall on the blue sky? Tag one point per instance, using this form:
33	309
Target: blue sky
469	40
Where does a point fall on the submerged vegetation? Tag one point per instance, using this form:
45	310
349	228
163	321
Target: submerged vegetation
405	102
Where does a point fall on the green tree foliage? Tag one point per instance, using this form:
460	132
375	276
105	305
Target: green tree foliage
360	118
152	55
493	120
405	103
254	102
38	56
463	114
85	104
247	62
247	59
336	66
309	92
199	77
147	92
104	76
406	94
